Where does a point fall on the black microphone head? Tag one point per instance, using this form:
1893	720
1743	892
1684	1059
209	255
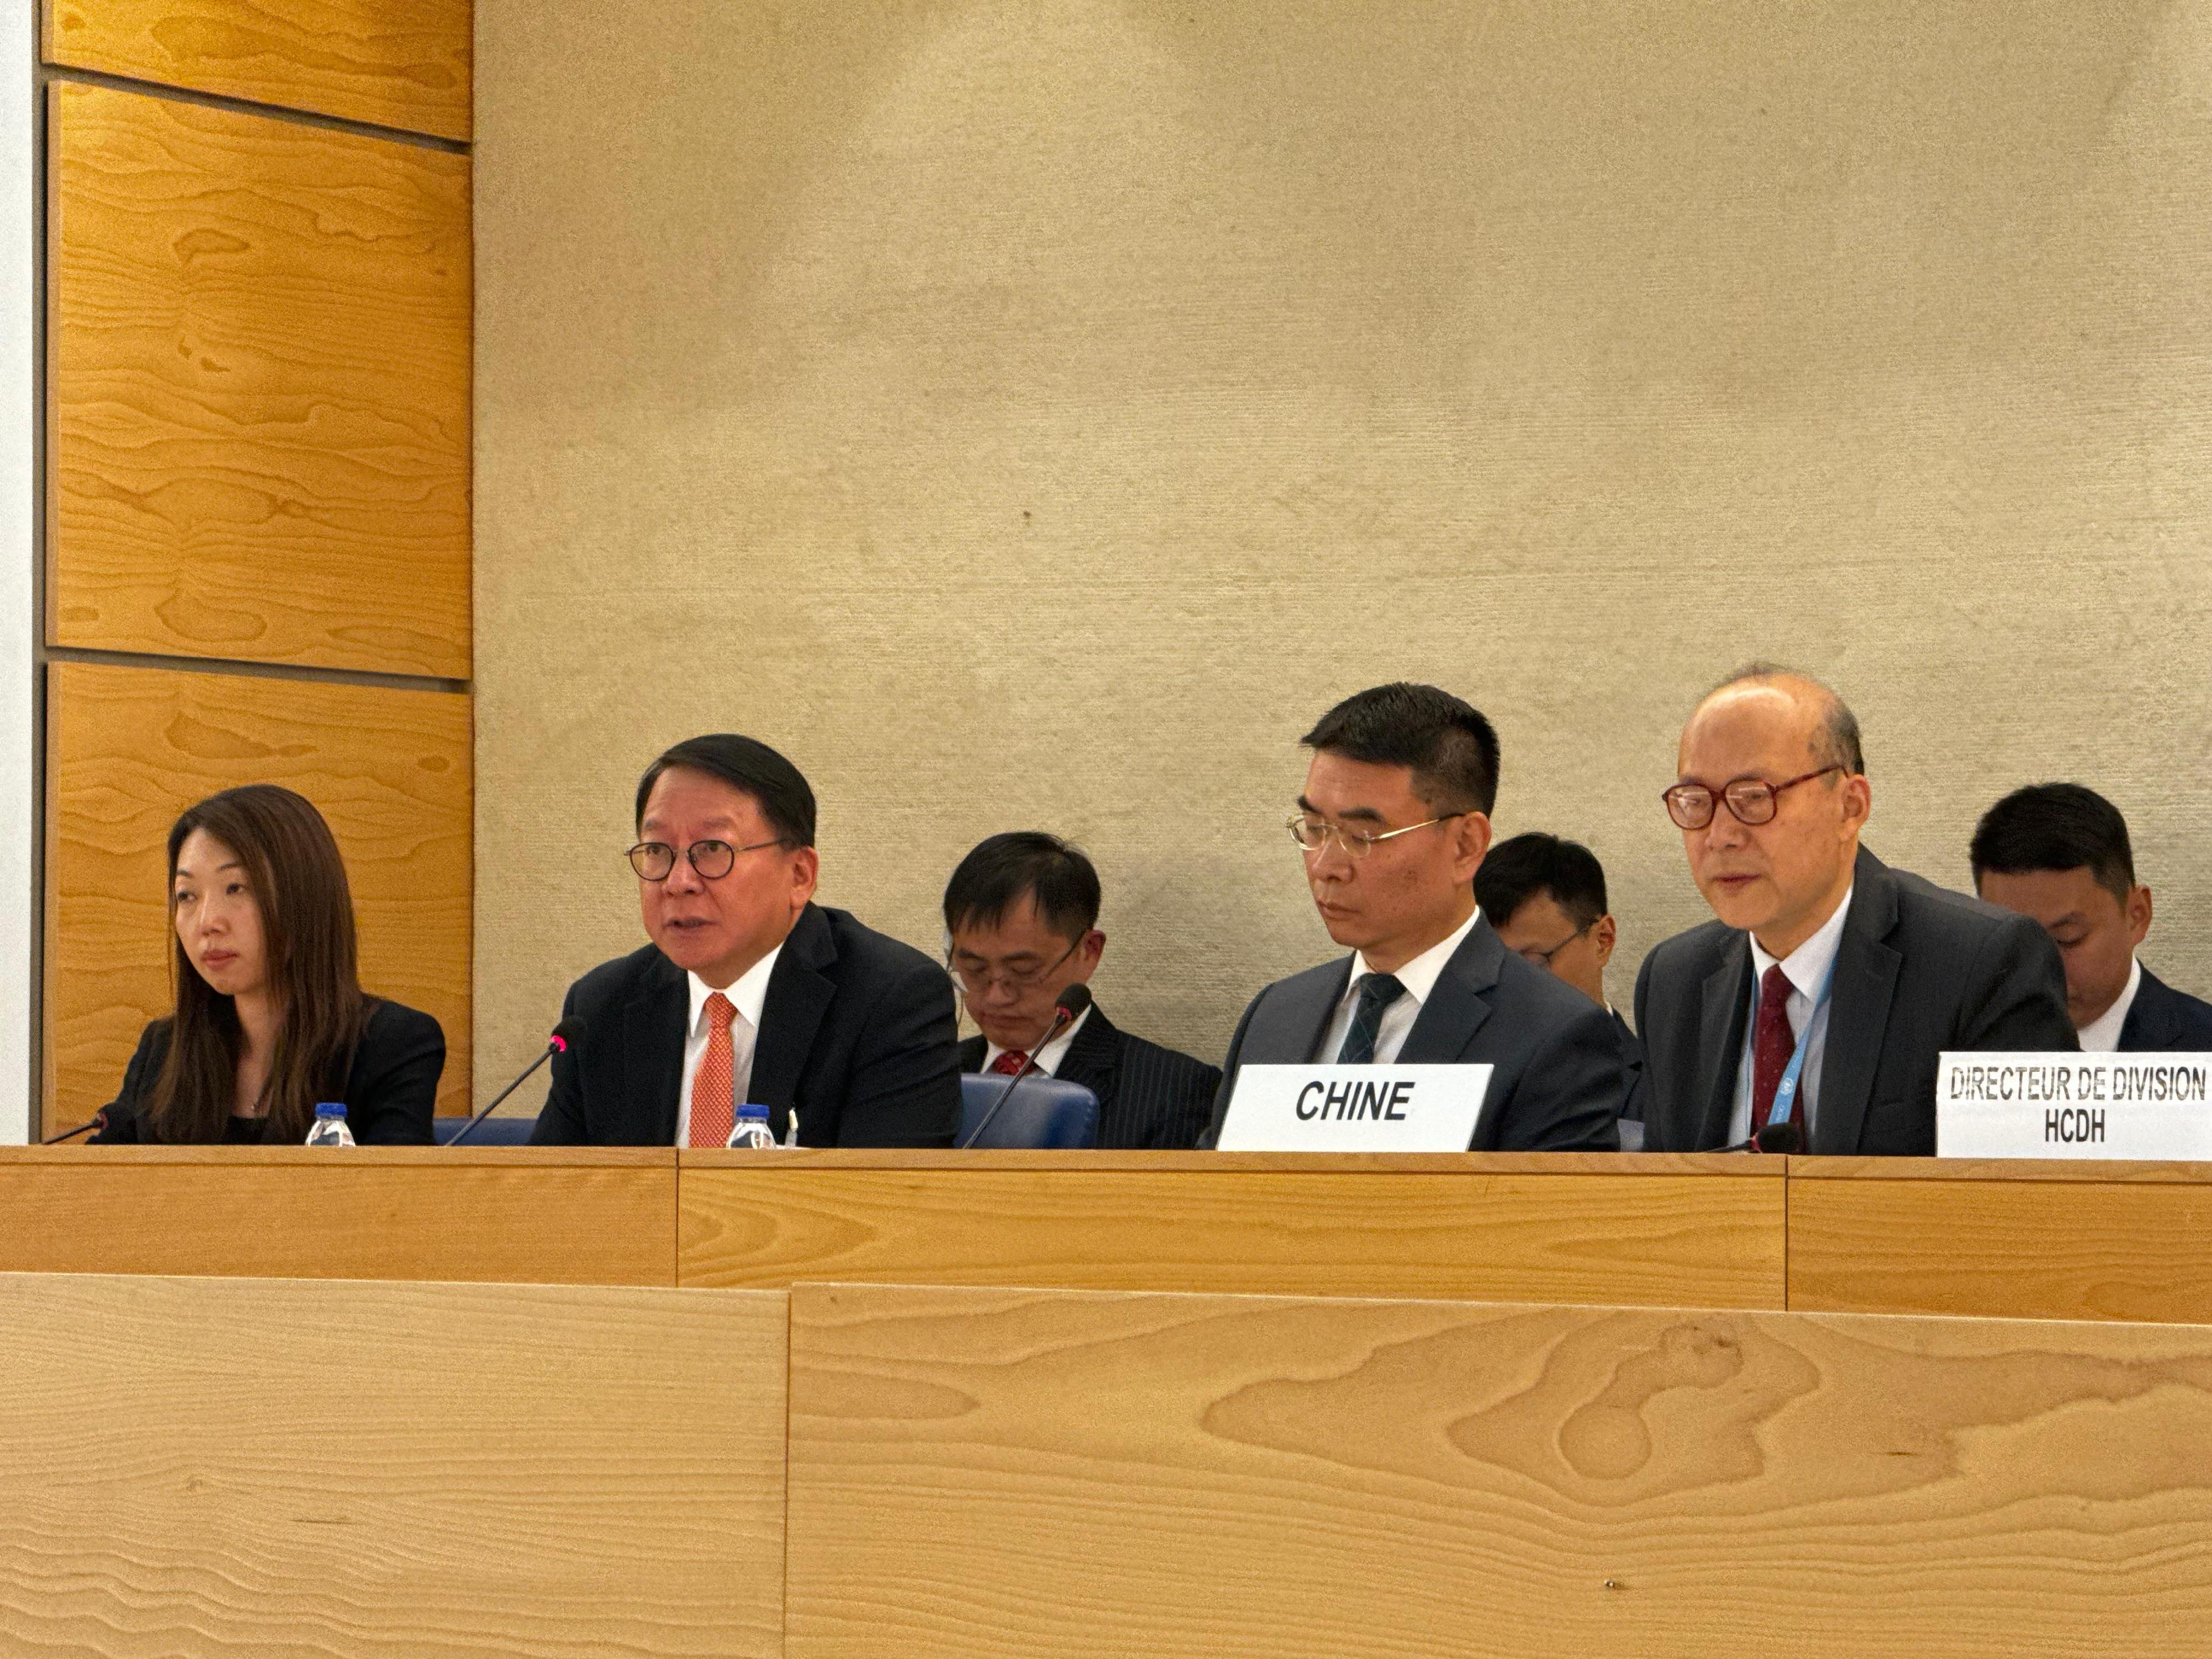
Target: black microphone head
565	1035
1785	1137
1073	1001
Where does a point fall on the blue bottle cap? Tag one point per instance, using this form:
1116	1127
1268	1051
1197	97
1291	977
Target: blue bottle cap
749	1110
330	1109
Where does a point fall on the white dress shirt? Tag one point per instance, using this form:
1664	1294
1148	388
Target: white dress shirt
747	996
2101	1036
1806	967
1049	1057
1418	976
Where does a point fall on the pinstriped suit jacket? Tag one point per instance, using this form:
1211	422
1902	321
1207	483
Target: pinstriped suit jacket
1150	1099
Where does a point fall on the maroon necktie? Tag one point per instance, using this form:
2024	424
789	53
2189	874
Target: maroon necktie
1771	1044
1013	1059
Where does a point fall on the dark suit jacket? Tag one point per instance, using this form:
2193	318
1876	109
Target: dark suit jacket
1920	969
1150	1099
858	1034
390	1090
2163	1019
1631	1061
1558	1082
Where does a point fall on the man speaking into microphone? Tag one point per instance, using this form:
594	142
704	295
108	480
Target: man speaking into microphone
750	992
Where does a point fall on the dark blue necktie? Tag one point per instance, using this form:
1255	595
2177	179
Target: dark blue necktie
1376	992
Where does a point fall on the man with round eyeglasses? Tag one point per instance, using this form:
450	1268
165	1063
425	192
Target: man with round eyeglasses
1828	984
1391	822
750	992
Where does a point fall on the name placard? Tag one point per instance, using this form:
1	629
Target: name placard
2137	1105
1354	1108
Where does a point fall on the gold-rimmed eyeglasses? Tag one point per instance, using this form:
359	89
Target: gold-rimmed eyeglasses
1312	833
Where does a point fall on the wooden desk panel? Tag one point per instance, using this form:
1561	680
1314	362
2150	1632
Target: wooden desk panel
2028	1240
1558	1227
512	1215
999	1473
265	1469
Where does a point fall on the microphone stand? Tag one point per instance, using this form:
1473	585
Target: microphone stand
1061	1018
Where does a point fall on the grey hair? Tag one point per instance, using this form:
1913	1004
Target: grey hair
1837	744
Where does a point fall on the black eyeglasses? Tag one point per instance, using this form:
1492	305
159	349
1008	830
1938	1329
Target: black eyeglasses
655	860
1749	800
1016	980
1536	958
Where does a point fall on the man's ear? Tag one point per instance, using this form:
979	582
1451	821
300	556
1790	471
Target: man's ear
1603	935
1472	834
2138	913
805	871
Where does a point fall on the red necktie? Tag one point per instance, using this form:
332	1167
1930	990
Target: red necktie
1772	1045
1010	1062
714	1112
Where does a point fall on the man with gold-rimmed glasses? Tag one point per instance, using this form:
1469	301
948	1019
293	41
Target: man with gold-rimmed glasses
1391	822
1825	990
750	992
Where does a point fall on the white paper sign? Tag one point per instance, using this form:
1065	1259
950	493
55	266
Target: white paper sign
1354	1108
2135	1105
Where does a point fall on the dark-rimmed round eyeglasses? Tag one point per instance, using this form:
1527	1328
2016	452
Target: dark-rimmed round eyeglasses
1749	800
655	860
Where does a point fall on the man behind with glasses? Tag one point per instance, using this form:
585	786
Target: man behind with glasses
1393	822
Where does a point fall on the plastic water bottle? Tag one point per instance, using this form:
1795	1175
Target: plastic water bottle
752	1133
330	1128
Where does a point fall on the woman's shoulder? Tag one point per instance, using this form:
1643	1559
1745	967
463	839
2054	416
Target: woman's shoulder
395	1024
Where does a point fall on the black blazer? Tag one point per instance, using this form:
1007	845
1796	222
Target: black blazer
1150	1099
1919	970
391	1090
1558	1085
2163	1019
1631	1061
858	1034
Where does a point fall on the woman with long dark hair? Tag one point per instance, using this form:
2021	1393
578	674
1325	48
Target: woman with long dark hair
271	1018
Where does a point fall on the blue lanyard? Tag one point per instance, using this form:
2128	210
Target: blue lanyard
1785	1092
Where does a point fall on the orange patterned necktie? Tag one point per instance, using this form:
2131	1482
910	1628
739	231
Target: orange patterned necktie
713	1111
1010	1062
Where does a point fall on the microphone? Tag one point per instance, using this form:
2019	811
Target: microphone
1073	1001
99	1121
568	1031
1788	1136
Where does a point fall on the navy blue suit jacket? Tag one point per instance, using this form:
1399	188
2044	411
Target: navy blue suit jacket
2165	1020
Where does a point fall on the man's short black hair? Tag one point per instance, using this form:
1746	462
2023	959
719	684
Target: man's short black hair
1527	866
2056	826
991	879
750	767
1450	748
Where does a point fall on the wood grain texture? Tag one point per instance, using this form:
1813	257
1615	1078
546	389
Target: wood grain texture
996	1472
128	749
517	1216
1997	1244
1578	1236
267	1468
259	377
399	63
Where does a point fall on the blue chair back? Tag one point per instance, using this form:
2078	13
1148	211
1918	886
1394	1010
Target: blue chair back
494	1131
1042	1112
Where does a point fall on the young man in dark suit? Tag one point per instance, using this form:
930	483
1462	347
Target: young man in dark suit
1022	915
1391	822
1822	962
750	992
2058	854
1546	897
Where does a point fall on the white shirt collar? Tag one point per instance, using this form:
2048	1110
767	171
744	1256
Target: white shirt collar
2101	1036
1419	975
1049	1056
749	995
1807	966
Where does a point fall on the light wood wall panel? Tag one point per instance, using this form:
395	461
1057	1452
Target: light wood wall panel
992	1474
396	63
557	1216
258	339
1538	1227
129	748
2022	1240
258	1468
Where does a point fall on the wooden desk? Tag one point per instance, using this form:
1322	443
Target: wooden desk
270	1469
1561	1227
550	1215
2029	1239
994	1473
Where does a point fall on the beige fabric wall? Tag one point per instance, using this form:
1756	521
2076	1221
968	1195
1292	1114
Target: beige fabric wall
1034	415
